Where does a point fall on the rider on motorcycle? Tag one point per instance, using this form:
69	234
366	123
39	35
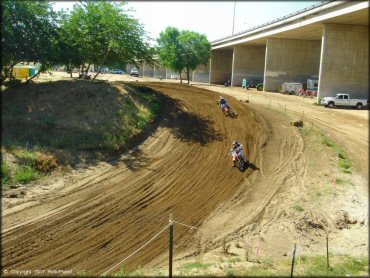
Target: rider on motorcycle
223	102
237	150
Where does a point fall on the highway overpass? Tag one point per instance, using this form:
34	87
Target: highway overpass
328	41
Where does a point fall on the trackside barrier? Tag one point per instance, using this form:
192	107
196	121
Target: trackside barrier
296	250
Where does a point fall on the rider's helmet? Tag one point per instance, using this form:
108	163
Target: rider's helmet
221	97
235	144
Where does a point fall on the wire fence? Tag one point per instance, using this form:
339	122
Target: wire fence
146	243
258	245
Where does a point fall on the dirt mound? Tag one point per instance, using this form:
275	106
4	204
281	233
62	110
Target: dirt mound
74	115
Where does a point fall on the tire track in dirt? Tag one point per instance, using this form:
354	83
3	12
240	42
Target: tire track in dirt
256	209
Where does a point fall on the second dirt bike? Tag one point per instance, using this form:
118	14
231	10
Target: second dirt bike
241	162
228	111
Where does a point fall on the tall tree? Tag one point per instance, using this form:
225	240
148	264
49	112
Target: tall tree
107	34
196	50
28	34
72	49
170	50
182	51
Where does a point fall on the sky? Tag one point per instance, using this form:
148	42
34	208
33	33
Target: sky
211	18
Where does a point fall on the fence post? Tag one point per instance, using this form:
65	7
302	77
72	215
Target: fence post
170	248
327	249
291	272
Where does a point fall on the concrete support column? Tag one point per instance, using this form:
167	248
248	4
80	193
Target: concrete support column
201	74
141	69
221	66
159	72
249	63
290	61
344	66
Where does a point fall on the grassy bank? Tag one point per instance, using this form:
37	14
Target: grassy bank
42	122
337	151
309	266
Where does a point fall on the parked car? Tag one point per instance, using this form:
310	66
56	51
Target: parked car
343	100
116	71
134	72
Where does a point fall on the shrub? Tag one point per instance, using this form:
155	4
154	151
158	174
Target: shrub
344	164
36	160
45	163
326	141
5	173
26	174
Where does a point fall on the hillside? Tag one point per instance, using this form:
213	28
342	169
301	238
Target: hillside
51	124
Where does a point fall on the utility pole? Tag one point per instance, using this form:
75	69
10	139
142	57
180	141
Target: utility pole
234	17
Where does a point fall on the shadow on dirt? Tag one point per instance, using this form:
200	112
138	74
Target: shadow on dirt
135	159
184	125
251	166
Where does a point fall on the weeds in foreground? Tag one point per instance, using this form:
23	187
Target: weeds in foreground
122	272
310	266
340	266
313	266
343	161
298	207
340	181
225	246
26	174
30	165
5	173
195	265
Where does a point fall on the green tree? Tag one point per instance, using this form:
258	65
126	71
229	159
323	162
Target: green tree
170	50
107	35
28	34
196	50
183	51
71	52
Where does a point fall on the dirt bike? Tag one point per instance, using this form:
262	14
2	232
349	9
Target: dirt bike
241	162
228	111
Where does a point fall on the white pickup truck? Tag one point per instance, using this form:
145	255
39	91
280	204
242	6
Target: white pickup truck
343	100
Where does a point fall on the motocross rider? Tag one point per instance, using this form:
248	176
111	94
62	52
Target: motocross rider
237	150
222	102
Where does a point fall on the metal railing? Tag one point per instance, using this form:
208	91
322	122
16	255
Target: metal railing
275	20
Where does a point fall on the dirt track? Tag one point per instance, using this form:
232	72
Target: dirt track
181	168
